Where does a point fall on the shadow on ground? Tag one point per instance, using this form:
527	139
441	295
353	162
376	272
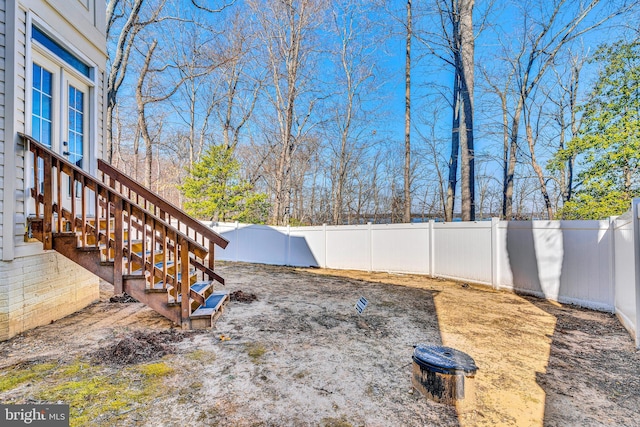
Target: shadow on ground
592	377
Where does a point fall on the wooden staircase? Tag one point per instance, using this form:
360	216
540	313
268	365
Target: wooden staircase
127	236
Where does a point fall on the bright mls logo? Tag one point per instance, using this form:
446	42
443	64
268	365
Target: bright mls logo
34	415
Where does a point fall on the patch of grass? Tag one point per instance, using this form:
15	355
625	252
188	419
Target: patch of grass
72	370
94	391
202	356
255	351
155	370
22	373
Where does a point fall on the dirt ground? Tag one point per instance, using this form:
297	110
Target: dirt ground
300	354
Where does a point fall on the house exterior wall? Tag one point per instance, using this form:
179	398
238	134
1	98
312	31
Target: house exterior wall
37	287
3	41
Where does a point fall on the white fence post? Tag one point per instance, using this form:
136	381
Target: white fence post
495	265
324	236
612	260
236	240
636	249
432	249
369	228
287	259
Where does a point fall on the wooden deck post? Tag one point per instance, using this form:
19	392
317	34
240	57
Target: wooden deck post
48	204
119	249
184	282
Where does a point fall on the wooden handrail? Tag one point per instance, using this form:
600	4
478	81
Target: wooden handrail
158	235
162	204
93	184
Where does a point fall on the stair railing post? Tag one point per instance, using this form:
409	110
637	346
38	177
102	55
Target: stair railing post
184	282
119	248
47	225
59	193
212	249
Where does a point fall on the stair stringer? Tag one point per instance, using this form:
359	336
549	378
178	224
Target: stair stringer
89	258
136	287
67	244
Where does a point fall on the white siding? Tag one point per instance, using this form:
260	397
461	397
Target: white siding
3	41
37	287
19	223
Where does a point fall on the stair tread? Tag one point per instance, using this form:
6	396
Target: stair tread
158	265
211	305
201	286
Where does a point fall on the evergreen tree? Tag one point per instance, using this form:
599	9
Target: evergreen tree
608	146
214	190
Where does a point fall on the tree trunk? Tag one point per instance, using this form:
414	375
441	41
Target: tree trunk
142	119
118	64
407	123
466	64
507	202
455	148
539	173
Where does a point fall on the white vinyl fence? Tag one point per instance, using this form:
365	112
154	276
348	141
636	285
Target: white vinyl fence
594	264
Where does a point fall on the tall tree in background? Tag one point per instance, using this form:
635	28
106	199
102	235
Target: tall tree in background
240	80
119	56
195	101
406	218
547	30
459	13
455	44
463	54
568	122
148	92
348	122
609	141
286	29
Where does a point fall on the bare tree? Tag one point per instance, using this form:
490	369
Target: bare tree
567	119
119	58
531	142
433	156
546	31
454	43
347	128
407	120
464	59
195	100
151	93
241	87
286	31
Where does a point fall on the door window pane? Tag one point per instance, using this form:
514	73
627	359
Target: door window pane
41	105
76	125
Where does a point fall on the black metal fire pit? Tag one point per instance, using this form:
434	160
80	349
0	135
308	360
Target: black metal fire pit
443	374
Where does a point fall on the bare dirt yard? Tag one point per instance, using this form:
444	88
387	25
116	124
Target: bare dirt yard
299	354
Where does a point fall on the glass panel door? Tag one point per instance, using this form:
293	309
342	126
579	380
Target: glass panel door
42	102
42	111
75	125
75	134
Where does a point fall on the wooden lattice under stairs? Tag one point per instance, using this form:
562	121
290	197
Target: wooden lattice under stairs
140	243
